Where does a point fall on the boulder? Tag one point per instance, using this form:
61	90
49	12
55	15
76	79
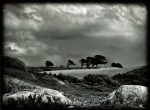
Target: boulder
46	94
128	95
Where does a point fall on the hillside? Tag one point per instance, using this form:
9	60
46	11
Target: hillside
90	90
137	76
12	62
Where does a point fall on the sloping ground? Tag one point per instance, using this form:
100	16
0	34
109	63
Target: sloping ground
80	73
79	95
82	94
25	89
44	81
19	74
128	95
12	85
100	82
137	76
12	62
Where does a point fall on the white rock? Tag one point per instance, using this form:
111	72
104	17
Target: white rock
61	82
43	92
128	95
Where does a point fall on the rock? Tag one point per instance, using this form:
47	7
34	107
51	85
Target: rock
61	82
46	94
71	106
128	95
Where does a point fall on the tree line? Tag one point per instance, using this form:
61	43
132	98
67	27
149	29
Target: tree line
88	62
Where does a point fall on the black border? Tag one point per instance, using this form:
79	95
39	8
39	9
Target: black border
138	2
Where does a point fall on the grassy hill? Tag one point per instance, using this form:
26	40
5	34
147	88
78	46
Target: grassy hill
89	90
137	76
12	62
80	73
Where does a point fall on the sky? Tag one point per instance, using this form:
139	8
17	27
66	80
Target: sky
35	33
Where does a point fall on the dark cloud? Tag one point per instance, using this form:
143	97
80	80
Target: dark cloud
58	32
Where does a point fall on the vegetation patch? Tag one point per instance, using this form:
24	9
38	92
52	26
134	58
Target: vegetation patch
32	103
135	77
67	78
100	82
14	63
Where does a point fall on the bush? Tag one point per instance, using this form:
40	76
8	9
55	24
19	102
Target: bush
99	79
67	78
116	65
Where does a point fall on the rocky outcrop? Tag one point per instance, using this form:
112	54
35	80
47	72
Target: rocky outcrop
46	94
128	95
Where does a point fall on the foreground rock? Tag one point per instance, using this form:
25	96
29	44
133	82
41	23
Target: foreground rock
128	95
46	94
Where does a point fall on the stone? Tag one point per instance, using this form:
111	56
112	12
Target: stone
128	95
46	94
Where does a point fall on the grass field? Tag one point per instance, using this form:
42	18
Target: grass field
80	73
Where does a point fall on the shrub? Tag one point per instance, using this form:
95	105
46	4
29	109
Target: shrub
67	78
116	65
99	79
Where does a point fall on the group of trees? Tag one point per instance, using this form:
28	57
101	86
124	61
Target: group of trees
93	61
50	64
89	62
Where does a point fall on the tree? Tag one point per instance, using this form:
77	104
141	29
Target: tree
98	59
101	59
116	65
84	62
48	64
70	62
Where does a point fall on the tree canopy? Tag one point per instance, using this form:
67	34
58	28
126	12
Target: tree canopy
49	64
116	65
70	62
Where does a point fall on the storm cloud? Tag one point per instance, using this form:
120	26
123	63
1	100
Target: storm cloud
35	33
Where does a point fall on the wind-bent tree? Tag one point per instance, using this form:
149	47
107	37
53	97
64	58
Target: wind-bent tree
116	65
48	64
94	61
85	62
70	62
98	59
89	61
82	62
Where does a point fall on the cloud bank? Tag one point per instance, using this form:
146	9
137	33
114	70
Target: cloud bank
35	33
